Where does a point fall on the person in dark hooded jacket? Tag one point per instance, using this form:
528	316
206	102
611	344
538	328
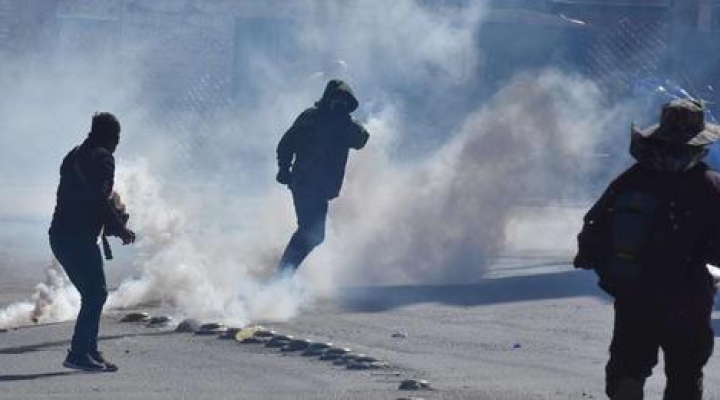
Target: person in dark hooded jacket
86	206
649	238
312	156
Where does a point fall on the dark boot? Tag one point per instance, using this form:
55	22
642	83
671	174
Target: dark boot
82	362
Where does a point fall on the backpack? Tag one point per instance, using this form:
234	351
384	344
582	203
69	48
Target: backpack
618	234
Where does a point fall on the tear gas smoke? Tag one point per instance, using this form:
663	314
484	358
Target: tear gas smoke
199	184
444	218
55	299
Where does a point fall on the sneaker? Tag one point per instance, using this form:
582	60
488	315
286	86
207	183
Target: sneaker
83	362
98	358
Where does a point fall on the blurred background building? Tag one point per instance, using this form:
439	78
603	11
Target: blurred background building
615	42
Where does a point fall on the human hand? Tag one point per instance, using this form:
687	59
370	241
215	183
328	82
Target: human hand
127	236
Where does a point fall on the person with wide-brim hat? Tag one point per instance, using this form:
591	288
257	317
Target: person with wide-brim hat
679	141
649	238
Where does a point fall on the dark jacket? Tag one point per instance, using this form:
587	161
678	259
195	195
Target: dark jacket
662	216
83	204
316	146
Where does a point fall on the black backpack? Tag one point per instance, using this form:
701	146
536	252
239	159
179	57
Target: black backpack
617	235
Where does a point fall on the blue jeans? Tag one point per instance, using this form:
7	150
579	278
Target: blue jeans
83	263
311	209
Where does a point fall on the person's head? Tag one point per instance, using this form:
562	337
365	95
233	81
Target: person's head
679	141
340	102
105	130
682	122
338	97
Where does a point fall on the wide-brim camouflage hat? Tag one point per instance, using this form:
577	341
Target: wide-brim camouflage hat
682	121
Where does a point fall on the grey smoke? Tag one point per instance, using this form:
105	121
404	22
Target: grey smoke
199	183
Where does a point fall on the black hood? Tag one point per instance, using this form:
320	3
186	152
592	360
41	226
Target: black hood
338	88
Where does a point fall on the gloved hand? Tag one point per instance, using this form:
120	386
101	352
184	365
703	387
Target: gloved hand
127	236
283	176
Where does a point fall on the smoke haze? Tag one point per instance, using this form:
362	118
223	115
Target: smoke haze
429	200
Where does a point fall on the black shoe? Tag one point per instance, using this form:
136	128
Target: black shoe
83	362
98	358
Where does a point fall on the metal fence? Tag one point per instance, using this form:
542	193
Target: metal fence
622	54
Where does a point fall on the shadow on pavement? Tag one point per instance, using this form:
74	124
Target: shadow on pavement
489	291
30	377
46	345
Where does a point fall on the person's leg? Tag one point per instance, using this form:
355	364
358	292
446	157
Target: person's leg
688	345
311	210
83	264
633	351
96	294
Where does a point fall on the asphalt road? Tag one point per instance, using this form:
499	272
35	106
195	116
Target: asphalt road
532	336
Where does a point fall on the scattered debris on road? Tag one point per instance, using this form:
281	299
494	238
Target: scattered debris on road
136	317
414	384
230	333
212	328
159	321
279	341
296	345
188	325
333	353
316	349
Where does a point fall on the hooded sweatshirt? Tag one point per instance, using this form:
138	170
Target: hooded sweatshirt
317	145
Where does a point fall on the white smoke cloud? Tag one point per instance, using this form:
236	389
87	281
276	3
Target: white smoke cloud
204	269
445	217
16	314
55	299
200	188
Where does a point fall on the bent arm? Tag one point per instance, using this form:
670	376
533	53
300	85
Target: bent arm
287	146
590	237
358	136
102	191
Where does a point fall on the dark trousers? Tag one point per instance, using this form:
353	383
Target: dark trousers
83	263
681	328
311	209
